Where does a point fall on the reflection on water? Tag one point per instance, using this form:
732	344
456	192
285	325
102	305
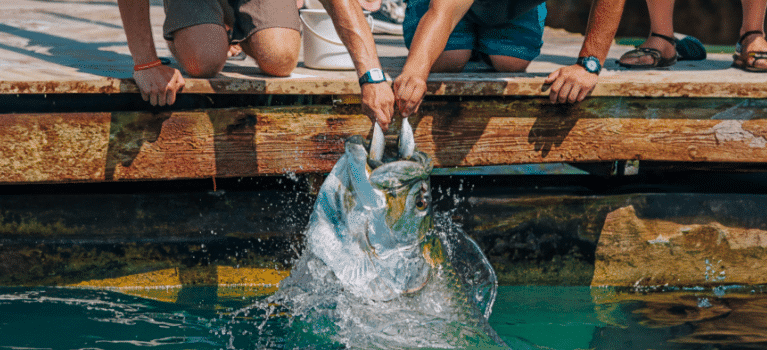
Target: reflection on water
525	317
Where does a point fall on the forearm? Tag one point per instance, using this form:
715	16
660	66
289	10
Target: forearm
138	30
354	31
603	23
429	41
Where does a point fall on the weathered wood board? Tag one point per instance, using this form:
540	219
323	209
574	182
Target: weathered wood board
611	84
62	147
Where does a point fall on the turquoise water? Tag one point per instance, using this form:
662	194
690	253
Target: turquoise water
530	317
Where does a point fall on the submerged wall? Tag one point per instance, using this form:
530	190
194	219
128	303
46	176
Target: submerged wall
677	230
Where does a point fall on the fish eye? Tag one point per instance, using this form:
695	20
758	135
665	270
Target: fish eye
421	203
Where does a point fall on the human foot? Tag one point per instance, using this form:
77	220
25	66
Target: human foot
751	52
657	51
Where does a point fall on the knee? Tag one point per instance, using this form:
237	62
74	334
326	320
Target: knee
451	61
277	61
275	50
509	64
448	67
200	66
200	50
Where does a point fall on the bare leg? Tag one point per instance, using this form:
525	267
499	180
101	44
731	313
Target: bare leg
275	50
753	19
451	61
661	22
201	50
509	64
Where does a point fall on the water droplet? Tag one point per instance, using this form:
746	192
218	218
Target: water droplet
704	303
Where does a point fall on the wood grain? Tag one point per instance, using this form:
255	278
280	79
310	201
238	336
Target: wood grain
62	147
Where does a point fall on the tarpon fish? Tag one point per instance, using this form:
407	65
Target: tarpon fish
371	217
379	270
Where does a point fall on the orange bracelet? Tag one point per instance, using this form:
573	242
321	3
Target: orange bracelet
152	64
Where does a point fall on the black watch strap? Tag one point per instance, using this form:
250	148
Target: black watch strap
373	76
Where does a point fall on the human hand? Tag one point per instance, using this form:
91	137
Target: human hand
234	50
159	85
378	103
570	84
409	90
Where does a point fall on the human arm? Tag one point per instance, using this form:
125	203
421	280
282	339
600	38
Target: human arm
428	44
572	83
354	31
158	85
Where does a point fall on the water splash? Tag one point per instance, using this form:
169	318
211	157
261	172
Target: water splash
714	275
451	311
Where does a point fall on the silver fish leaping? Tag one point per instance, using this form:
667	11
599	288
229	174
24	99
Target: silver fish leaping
368	223
379	267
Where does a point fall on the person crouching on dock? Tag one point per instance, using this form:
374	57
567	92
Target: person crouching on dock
441	35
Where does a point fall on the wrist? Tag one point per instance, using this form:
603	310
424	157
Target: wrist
148	65
590	63
373	76
409	71
144	59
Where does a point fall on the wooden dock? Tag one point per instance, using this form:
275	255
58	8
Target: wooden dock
70	113
75	50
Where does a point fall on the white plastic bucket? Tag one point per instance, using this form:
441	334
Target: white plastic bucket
323	48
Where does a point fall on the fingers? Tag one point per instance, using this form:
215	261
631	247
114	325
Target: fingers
170	97
384	116
174	87
383	119
582	95
553	76
378	103
162	95
556	87
572	97
571	85
159	85
410	92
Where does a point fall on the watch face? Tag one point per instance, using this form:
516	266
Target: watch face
376	75
591	64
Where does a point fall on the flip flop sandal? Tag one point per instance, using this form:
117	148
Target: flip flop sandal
658	61
690	49
741	61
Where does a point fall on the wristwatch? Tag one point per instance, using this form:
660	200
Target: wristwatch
591	64
373	76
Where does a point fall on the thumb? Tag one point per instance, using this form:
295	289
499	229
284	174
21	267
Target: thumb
553	76
383	121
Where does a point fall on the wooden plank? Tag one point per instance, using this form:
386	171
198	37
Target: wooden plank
58	147
474	84
269	141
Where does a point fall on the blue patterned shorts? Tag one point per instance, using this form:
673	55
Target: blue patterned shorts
521	38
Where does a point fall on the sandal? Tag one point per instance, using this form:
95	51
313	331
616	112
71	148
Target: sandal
658	61
741	61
